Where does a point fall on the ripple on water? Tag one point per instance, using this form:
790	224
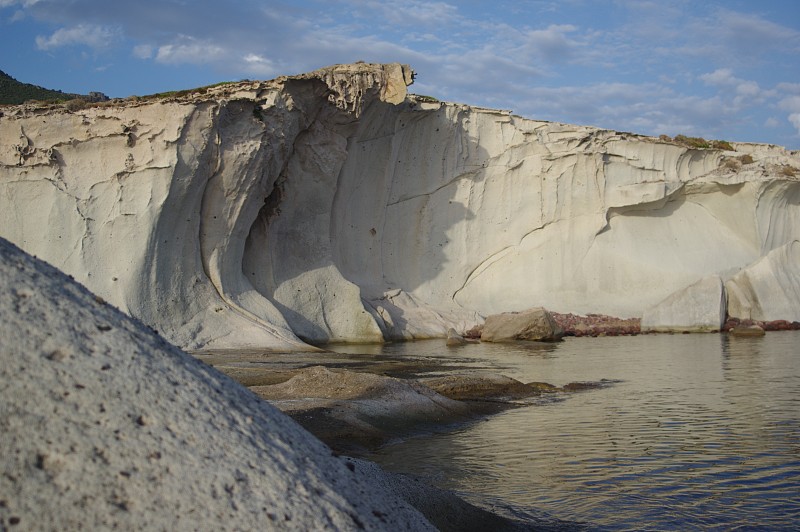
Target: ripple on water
700	431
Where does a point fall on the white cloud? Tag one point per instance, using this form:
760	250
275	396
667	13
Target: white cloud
254	58
748	89
744	92
790	103
791	88
794	118
91	35
641	65
551	43
21	3
190	50
721	76
751	34
143	51
257	65
412	13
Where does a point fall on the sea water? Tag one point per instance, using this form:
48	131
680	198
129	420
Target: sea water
688	432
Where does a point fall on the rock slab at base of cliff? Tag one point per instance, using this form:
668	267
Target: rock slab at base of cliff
700	307
104	425
530	325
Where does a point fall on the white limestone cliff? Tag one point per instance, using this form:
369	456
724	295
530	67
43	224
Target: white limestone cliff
332	206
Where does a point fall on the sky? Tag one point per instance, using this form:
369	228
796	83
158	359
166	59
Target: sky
727	70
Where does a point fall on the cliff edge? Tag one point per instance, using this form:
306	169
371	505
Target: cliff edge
333	206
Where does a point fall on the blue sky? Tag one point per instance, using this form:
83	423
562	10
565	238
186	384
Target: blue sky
718	69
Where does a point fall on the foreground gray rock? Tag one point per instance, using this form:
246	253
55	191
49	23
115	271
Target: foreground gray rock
532	325
104	425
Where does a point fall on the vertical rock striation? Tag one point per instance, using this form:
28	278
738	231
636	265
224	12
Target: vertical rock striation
332	206
476	209
151	203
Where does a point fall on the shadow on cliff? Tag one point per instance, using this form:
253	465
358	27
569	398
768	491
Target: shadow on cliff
409	178
305	329
375	200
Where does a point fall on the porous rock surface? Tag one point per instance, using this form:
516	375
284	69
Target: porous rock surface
104	425
332	206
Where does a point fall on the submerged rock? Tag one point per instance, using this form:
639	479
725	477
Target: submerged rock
351	410
454	339
747	330
474	387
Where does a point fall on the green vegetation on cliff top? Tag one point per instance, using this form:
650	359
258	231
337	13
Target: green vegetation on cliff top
13	92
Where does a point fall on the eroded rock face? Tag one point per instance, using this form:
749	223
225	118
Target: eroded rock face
153	205
769	289
332	206
486	211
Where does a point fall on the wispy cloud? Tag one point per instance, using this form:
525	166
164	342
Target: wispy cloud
791	104
91	35
187	49
645	65
752	35
21	3
550	44
412	13
143	51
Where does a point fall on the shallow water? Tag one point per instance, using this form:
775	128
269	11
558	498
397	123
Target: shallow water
696	432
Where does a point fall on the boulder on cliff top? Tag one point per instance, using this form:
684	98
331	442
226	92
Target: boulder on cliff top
533	325
105	425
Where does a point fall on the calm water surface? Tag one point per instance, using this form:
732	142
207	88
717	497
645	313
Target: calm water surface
696	432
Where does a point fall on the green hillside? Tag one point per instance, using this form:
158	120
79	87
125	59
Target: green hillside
13	92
